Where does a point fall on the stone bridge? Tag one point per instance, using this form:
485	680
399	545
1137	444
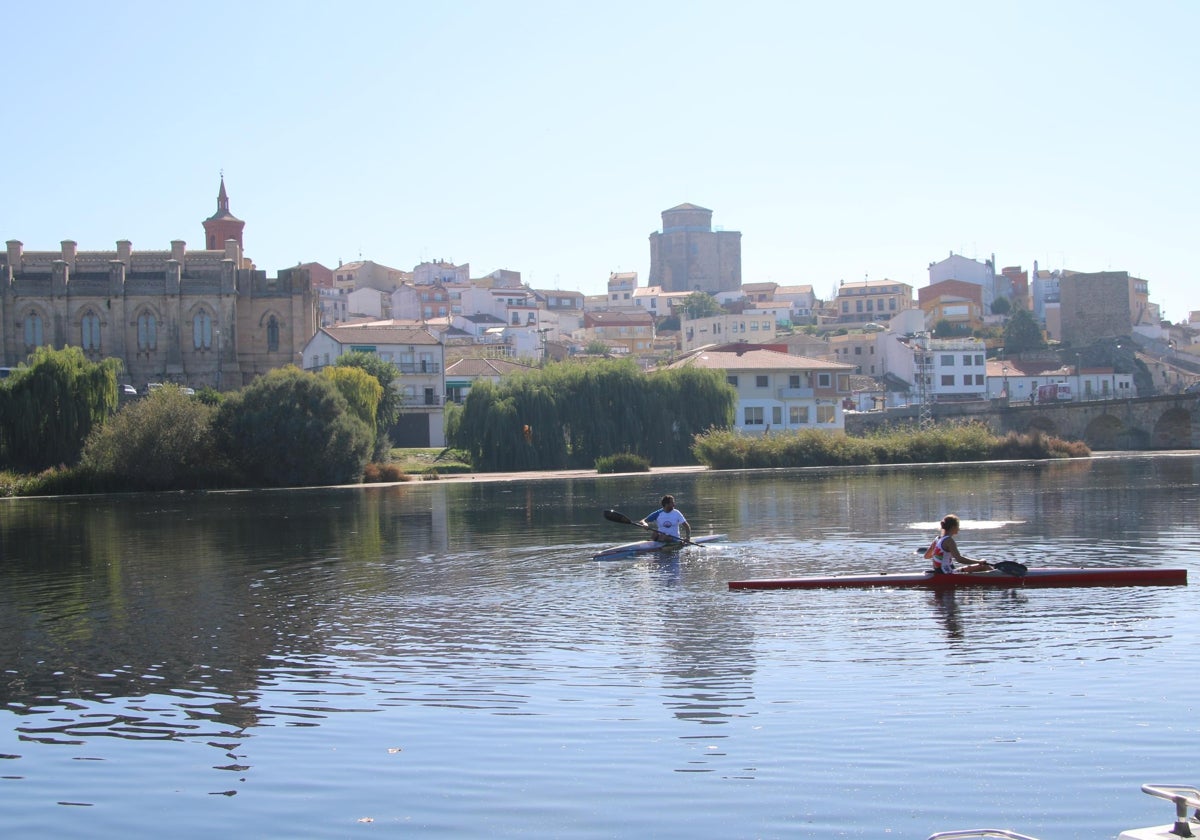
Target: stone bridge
1166	422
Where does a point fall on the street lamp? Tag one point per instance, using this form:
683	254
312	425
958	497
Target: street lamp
218	333
1004	393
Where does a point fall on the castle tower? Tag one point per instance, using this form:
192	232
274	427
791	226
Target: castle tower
222	225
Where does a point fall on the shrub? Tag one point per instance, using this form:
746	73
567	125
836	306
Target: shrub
291	428
161	442
384	473
622	462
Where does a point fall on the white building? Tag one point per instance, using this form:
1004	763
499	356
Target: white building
419	357
778	391
958	267
754	327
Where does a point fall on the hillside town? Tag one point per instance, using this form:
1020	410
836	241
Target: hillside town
799	356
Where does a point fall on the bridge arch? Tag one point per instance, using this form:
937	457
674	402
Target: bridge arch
1173	430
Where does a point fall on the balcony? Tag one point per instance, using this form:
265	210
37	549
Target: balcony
422	401
419	367
796	393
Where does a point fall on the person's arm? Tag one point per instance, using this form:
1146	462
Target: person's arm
929	551
651	518
685	530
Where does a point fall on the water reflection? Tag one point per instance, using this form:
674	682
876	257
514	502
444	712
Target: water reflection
223	620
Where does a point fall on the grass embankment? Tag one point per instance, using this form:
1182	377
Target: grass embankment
726	450
430	463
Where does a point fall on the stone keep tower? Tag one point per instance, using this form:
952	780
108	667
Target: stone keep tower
222	225
688	255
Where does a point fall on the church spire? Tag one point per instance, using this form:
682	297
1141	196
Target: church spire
223	199
222	225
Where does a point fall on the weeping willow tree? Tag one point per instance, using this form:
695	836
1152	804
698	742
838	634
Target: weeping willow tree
50	406
568	415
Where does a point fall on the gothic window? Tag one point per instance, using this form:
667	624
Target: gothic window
33	331
272	334
147	332
89	331
202	330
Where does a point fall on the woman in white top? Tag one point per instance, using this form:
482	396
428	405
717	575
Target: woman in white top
944	551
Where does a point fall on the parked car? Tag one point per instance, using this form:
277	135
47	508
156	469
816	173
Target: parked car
188	392
151	387
128	391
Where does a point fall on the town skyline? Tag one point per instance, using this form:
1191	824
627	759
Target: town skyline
843	145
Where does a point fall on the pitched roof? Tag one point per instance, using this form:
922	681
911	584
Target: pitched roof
378	334
757	360
485	367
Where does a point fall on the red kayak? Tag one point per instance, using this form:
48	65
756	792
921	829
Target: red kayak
1032	579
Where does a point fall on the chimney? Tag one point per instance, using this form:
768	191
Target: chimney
14	255
178	249
124	251
69	249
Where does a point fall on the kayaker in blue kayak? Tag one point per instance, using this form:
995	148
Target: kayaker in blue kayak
668	523
944	551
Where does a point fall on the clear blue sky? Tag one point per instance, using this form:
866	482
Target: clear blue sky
844	140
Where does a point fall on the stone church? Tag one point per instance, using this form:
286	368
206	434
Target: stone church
196	318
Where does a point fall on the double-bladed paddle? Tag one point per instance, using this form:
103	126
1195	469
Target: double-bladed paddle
617	516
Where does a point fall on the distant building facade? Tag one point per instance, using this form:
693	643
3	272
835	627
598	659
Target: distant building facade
872	301
1103	304
689	256
198	318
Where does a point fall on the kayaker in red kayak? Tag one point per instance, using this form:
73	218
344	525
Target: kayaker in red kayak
944	551
668	523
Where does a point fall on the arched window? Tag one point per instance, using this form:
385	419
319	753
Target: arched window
272	334
147	332
202	330
89	331
33	331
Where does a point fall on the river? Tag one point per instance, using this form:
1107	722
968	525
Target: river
444	659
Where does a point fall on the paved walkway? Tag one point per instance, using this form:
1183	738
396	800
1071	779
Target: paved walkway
541	474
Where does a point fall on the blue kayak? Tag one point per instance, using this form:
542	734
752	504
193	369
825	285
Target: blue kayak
624	552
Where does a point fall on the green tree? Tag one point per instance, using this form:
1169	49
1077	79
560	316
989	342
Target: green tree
386	373
291	428
1022	333
361	390
1001	306
701	305
571	414
161	442
49	407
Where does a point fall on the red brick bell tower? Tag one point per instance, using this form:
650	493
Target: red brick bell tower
222	225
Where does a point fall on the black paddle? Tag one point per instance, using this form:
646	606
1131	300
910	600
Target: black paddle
1004	567
617	516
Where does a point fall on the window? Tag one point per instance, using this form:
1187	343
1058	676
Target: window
947	361
732	380
760	381
826	414
89	331
754	415
776	415
33	330
798	415
202	331
948	380
794	381
824	380
979	379
892	304
979	360
967	379
966	361
858	351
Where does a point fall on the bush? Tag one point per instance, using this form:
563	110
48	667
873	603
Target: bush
384	473
290	429
622	462
724	449
161	442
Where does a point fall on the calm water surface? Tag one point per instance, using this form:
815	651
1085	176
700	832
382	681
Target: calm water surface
444	660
